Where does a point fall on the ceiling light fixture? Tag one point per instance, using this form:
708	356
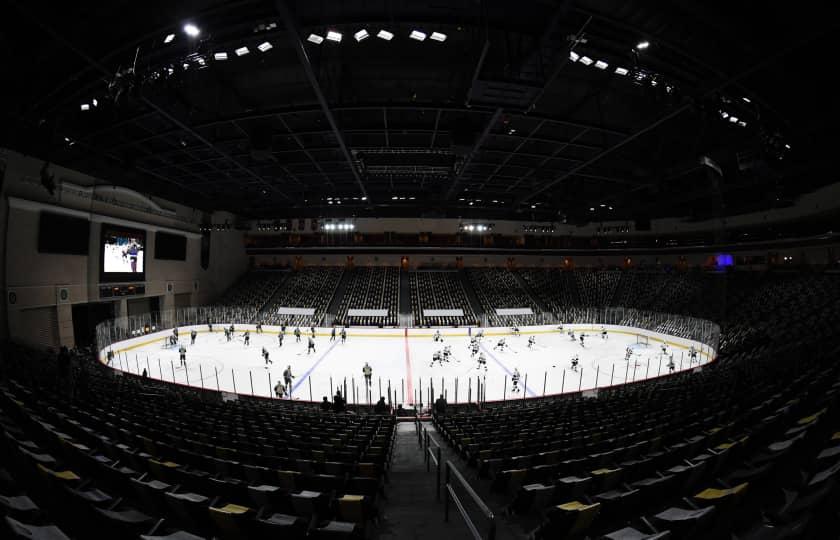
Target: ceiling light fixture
332	35
586	61
384	34
361	34
315	38
191	30
621	71
220	56
600	64
418	35
265	46
642	45
573	56
169	38
241	51
437	36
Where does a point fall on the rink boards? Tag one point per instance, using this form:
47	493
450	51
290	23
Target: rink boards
401	361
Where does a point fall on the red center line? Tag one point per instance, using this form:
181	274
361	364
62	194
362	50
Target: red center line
409	385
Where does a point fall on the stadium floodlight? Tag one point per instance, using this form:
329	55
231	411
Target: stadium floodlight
85	106
591	208
600	64
364	198
265	46
724	115
191	30
746	99
361	34
394	198
315	38
621	71
169	38
95	102
586	61
220	56
533	206
573	56
418	35
241	51
742	123
386	35
642	45
733	119
787	146
332	35
437	36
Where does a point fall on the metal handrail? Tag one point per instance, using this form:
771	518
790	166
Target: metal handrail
432	455
450	493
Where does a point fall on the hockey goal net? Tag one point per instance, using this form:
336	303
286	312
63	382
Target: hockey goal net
642	340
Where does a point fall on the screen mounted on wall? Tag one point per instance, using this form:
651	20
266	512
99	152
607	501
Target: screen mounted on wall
123	254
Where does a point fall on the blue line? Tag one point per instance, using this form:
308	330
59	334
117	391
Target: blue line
311	369
509	372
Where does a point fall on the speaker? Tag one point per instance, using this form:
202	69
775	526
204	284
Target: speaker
62	295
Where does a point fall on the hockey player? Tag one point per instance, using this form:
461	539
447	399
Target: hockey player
310	347
671	365
575	362
571	334
343	335
438	337
479	335
500	345
247	337
312	331
582	336
209	326
265	357
332	334
182	352
482	362
367	371
515	330
227	334
287	377
531	342
664	348
437	357
280	337
603	333
447	353
692	354
193	335
109	358
515	380
232	330
279	390
628	352
474	349
259	328
297	334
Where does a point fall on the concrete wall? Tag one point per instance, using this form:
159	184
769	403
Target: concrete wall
33	278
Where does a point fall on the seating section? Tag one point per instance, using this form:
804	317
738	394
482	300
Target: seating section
371	287
748	447
311	287
499	288
248	296
124	457
439	290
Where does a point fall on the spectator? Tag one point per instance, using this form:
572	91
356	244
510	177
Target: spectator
326	406
440	406
338	402
381	407
400	410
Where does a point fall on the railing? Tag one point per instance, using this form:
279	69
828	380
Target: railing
432	455
450	493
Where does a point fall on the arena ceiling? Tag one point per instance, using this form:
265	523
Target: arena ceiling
534	110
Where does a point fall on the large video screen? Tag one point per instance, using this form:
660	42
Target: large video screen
123	254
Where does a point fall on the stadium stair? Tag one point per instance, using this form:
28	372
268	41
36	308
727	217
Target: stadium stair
339	292
405	295
471	296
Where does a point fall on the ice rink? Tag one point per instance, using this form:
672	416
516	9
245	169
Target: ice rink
401	359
